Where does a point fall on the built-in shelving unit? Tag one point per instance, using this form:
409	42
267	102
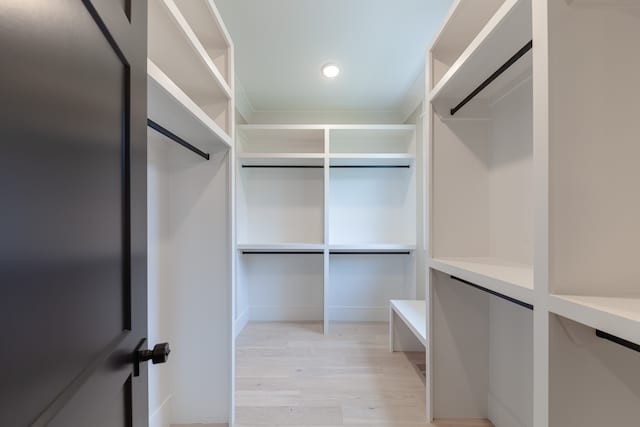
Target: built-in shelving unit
345	192
190	166
189	69
532	141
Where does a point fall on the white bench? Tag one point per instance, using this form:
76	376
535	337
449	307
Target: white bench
407	325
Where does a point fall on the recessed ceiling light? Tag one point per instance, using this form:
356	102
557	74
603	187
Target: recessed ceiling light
330	70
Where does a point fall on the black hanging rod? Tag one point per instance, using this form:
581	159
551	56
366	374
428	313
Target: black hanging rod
369	253
494	293
284	166
369	166
172	136
493	76
281	252
620	341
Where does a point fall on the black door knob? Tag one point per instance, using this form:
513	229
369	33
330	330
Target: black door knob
159	354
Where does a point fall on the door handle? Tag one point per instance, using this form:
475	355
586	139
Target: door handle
159	354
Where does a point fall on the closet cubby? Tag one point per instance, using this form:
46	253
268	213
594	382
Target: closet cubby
275	286
343	193
374	205
385	146
277	146
482	159
205	21
481	365
594	209
362	284
182	68
592	381
461	27
280	205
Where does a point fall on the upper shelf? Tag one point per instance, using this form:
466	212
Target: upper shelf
378	159
506	33
281	247
279	141
176	50
170	107
282	159
207	25
617	316
506	278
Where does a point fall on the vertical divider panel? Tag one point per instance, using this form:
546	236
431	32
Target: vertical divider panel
326	170
233	238
540	31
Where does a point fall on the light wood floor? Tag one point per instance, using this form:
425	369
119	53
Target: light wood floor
290	374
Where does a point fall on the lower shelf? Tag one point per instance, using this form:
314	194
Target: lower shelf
414	314
616	316
507	278
280	247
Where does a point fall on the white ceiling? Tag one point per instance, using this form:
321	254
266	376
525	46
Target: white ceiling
378	44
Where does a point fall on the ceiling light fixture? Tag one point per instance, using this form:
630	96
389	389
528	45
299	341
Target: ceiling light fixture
330	70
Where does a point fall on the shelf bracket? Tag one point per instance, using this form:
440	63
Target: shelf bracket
175	138
494	293
519	54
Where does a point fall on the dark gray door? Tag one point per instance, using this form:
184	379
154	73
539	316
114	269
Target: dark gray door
72	212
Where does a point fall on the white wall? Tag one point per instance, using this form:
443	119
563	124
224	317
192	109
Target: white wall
510	364
362	285
284	287
189	284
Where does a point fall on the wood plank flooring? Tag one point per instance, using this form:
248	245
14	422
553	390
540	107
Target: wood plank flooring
290	374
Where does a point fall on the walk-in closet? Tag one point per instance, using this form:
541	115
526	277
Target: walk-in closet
334	241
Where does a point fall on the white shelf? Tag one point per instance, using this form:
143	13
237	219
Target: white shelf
617	316
171	108
414	314
379	159
507	278
345	248
282	159
207	25
176	50
504	35
284	247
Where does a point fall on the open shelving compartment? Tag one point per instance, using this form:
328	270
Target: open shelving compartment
482	157
480	358
189	72
281	146
594	277
371	220
190	199
280	223
481	361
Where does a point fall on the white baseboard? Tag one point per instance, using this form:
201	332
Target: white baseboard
500	415
358	314
242	321
285	314
161	417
